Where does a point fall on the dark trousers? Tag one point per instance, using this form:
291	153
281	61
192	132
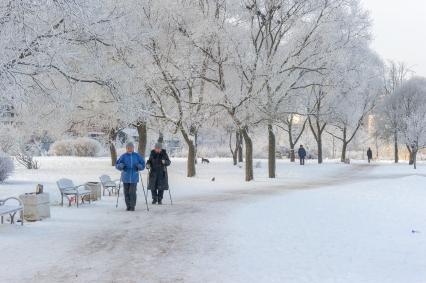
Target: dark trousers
130	194
302	161
157	194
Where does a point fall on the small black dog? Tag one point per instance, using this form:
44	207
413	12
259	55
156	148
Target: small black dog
204	160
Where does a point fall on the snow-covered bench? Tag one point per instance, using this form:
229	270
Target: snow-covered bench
11	209
108	185
69	190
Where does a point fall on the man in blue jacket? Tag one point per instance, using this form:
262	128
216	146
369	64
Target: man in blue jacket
130	164
302	155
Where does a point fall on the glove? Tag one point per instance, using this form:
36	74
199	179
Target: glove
148	166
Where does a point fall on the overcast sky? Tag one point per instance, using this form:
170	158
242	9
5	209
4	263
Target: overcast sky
400	31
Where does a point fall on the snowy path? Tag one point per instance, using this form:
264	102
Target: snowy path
184	243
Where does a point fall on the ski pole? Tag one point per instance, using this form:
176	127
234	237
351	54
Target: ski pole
147	183
170	194
118	194
143	188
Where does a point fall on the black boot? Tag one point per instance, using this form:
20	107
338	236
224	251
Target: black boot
154	201
159	202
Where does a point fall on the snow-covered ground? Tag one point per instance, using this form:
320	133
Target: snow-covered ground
328	223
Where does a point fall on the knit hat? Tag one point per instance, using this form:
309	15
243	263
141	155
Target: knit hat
158	145
130	144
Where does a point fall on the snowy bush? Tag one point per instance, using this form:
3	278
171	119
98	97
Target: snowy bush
78	147
27	160
62	148
6	166
86	147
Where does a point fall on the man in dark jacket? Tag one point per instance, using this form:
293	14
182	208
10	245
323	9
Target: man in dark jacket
158	178
369	155
130	164
302	155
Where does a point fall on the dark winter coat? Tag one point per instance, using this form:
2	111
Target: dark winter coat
158	178
130	164
302	153
369	154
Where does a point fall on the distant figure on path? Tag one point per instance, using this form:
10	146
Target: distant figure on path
302	154
158	178
369	155
130	163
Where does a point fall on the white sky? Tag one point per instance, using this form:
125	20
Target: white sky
400	31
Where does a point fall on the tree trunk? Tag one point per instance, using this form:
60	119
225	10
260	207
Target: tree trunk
234	158
411	160
396	153
319	145
142	131
344	145
292	153
240	148
113	152
271	152
160	138
111	140
317	132
191	159
344	148
415	158
234	152
195	146
249	155
292	145
191	154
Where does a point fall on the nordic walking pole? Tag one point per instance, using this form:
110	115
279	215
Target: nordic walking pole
170	194
118	194
143	187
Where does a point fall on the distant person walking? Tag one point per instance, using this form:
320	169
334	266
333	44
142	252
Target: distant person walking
302	155
369	155
130	163
158	178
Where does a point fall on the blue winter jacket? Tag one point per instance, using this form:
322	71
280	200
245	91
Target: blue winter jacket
130	164
302	153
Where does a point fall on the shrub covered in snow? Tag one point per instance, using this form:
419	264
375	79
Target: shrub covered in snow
78	147
6	166
62	148
86	147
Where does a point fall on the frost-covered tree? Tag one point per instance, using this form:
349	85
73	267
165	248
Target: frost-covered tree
176	87
44	39
49	48
292	119
388	120
411	101
284	32
349	30
356	94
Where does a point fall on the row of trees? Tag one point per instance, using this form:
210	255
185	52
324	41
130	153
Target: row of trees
402	114
181	65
